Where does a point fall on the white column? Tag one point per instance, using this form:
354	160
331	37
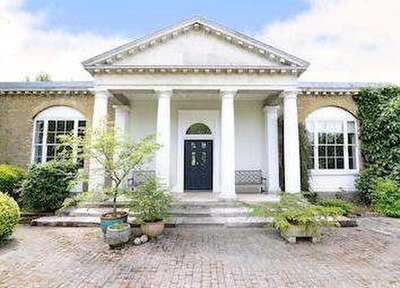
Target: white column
291	142
99	121
121	121
121	124
163	135
272	152
228	144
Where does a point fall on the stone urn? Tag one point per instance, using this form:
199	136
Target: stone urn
293	232
118	234
152	229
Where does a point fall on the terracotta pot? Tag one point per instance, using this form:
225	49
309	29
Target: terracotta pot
117	236
152	229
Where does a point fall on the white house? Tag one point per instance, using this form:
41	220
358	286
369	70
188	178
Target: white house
224	106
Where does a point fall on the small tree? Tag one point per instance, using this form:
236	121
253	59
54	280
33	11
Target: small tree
43	77
113	154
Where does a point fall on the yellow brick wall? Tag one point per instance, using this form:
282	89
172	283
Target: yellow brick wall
16	121
309	103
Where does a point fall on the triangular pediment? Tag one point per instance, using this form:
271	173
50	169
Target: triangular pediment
195	43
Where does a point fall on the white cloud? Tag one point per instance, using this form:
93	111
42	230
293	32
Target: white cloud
27	48
345	40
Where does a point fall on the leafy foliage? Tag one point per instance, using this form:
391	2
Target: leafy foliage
113	154
47	185
150	201
43	77
345	207
378	113
305	154
295	210
11	179
9	216
386	197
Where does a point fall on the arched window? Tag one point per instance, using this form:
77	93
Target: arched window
49	125
332	133
198	129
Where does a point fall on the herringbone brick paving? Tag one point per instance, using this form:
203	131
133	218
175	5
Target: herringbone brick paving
366	256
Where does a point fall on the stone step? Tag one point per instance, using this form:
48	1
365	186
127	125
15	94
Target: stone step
177	211
70	221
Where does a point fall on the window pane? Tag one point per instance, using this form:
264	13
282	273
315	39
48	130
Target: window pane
339	163
331	163
38	153
351	127
321	151
51	151
331	151
330	138
311	164
198	129
60	125
351	163
339	151
81	123
339	138
322	138
51	138
322	163
39	126
39	138
351	138
70	126
52	125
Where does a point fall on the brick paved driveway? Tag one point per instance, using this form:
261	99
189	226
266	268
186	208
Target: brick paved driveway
367	256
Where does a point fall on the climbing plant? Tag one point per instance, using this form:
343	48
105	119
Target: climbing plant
379	117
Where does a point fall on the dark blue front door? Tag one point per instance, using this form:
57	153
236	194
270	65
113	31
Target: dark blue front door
198	164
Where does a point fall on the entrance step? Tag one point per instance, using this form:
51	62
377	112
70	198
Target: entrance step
75	221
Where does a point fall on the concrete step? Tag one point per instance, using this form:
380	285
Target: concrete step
71	221
176	211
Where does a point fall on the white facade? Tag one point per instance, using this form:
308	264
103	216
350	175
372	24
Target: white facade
201	72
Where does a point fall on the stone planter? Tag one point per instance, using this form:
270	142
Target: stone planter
293	232
118	234
152	229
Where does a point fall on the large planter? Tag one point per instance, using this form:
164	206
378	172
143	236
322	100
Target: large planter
293	232
118	234
108	219
152	229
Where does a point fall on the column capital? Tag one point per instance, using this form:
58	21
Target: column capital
163	93
228	93
271	109
100	92
121	108
290	93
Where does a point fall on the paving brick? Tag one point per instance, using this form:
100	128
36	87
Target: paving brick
364	256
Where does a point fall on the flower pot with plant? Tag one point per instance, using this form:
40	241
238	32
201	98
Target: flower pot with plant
118	234
115	156
295	217
150	202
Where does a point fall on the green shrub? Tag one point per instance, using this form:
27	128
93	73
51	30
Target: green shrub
9	216
11	179
295	210
378	113
47	185
344	206
150	201
386	197
364	184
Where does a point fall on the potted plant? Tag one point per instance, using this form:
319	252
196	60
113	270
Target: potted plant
295	217
114	156
151	202
118	234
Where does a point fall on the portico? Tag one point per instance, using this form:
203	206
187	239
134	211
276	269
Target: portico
213	97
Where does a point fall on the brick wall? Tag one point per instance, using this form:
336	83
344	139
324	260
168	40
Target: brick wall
16	121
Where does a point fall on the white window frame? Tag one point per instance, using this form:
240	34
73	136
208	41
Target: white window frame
55	113
331	117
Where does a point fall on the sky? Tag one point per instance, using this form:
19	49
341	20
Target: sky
344	40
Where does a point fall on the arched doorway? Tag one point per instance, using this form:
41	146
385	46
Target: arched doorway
198	158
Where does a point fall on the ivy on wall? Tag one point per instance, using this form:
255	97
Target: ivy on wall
379	117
